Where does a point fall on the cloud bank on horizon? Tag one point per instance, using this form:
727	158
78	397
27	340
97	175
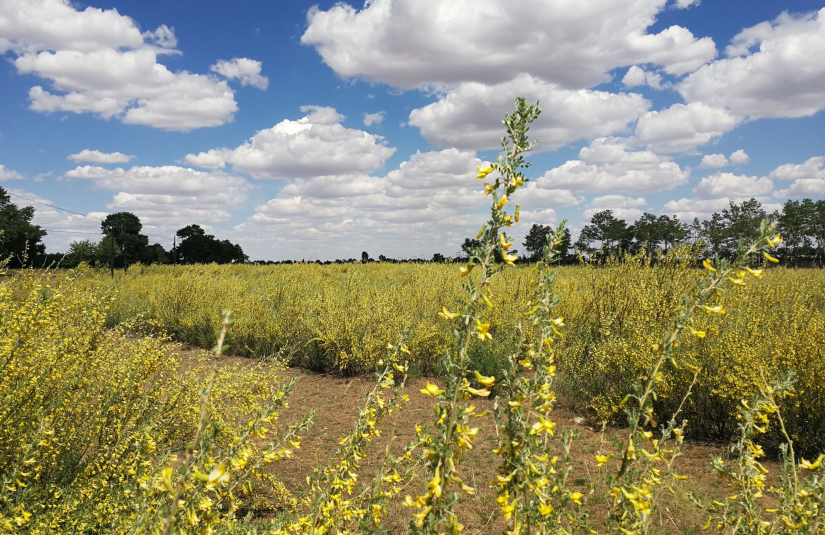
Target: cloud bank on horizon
649	106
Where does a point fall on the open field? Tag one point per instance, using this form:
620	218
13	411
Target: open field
340	318
122	405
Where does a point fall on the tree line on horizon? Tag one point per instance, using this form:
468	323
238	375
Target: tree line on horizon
801	224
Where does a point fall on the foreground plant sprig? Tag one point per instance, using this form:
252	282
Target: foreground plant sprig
453	434
532	479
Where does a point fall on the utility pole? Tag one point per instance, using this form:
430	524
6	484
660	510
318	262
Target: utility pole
174	250
112	254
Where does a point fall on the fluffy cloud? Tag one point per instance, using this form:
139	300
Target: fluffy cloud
616	201
9	174
730	185
773	69
413	43
373	118
168	195
315	145
97	61
687	209
636	76
607	165
248	71
714	161
682	128
95	156
433	198
469	116
808	178
34	25
626	208
739	157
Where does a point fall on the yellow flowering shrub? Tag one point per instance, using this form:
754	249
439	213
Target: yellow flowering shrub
91	418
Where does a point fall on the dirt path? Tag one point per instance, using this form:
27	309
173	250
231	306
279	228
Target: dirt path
338	400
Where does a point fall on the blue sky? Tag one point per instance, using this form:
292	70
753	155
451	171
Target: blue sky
316	130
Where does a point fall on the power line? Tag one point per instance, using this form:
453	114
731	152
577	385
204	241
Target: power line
156	240
53	206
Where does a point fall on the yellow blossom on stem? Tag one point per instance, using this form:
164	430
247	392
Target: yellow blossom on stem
483	171
487	381
481	331
432	390
447	315
769	258
706	263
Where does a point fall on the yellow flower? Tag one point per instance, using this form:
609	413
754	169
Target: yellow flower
487	381
697	334
559	322
432	390
769	258
465	270
708	265
602	460
504	243
509	259
576	497
755	272
812	466
483	171
737	281
488	189
481	331
483	393
447	315
500	204
774	241
718	310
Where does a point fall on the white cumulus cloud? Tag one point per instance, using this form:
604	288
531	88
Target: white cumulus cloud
97	61
808	178
607	165
730	185
248	71
168	195
469	116
95	156
315	145
9	174
636	76
773	69
414	43
682	128
374	118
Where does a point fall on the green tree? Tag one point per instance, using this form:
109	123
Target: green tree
739	222
659	232
126	227
796	225
81	251
606	229
19	239
198	247
536	239
107	249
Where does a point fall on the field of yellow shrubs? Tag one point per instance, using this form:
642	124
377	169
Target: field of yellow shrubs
338	318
